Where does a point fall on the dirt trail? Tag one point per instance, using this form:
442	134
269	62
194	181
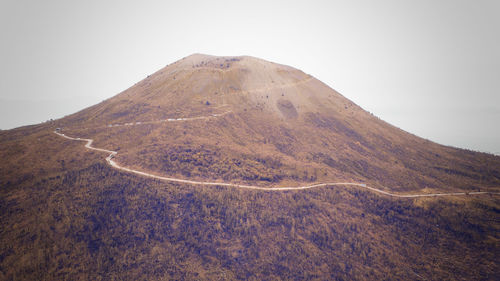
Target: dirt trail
115	165
170	120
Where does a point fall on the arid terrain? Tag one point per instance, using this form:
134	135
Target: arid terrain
235	168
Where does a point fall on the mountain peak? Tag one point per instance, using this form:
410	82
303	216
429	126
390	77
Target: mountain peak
238	82
289	122
228	63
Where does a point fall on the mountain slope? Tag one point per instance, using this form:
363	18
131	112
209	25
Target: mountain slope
68	215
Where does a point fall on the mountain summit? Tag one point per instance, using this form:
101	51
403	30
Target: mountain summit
251	121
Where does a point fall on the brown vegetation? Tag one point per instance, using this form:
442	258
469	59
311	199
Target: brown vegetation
67	215
96	223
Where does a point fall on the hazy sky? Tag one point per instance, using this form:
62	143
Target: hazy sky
429	67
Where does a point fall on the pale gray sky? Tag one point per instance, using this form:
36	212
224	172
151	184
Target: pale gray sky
429	67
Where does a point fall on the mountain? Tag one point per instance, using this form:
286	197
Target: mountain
280	127
191	145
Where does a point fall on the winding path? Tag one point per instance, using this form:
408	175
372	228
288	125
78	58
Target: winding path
115	165
171	120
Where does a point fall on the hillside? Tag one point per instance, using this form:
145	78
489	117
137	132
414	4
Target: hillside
67	214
